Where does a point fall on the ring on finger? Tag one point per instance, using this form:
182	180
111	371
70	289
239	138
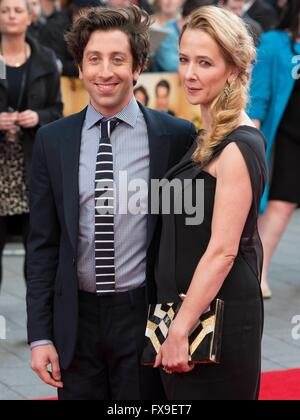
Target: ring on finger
169	372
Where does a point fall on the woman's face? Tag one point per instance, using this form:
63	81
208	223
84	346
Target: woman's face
14	17
202	67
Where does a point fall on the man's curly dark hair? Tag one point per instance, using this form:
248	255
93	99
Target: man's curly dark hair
133	21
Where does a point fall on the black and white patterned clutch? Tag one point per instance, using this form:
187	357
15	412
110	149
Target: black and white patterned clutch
204	340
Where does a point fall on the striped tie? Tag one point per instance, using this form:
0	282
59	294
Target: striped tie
104	212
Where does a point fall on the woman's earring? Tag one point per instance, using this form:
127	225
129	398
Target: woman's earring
228	91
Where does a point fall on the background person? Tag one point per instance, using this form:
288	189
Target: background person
141	95
162	97
274	106
29	99
237	7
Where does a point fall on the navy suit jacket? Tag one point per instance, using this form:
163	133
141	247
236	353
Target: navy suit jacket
52	288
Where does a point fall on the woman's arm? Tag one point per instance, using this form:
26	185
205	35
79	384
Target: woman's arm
232	205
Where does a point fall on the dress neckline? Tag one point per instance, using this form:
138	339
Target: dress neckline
22	66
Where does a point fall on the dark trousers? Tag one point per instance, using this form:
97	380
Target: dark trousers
107	364
24	221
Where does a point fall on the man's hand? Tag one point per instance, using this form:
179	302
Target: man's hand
41	358
28	119
8	120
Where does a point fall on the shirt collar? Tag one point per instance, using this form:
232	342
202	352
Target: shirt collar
128	115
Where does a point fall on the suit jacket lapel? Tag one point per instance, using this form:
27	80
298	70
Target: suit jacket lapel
159	146
70	154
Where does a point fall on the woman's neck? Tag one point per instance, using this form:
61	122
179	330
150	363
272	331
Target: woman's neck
205	117
13	45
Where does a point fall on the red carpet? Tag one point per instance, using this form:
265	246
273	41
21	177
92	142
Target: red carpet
281	385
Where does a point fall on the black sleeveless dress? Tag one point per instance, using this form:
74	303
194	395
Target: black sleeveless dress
181	248
285	185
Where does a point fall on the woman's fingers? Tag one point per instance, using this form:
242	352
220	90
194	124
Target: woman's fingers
158	360
188	367
181	367
7	121
28	119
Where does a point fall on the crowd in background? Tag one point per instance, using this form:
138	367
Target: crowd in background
33	48
50	21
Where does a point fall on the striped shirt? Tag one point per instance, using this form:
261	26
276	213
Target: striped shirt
130	148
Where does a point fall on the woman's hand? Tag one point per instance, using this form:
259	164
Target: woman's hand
8	121
28	119
174	353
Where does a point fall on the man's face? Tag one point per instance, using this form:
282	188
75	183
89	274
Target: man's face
107	71
35	8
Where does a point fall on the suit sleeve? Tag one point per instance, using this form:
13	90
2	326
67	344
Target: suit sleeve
192	135
43	248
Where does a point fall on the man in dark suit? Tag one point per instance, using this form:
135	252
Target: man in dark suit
236	6
262	12
90	264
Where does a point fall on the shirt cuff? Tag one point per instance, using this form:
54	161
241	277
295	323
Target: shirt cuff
40	343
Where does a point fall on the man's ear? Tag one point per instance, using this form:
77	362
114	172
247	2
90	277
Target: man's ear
80	72
136	73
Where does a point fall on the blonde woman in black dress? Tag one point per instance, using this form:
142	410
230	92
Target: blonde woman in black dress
222	256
